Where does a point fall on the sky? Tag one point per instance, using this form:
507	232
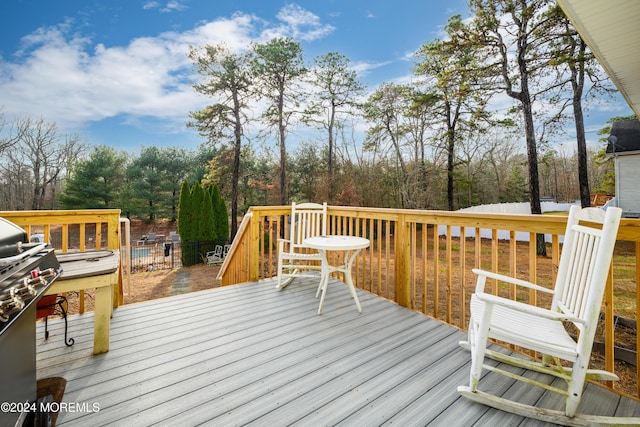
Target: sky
117	71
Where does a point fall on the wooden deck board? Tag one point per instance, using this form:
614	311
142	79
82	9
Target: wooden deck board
251	354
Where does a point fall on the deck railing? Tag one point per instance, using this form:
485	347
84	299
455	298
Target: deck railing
73	230
418	259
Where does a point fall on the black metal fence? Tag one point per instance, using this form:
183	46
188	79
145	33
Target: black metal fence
154	256
150	256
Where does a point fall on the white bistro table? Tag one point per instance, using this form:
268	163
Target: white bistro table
351	246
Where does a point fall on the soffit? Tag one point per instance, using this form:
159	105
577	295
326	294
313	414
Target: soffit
611	29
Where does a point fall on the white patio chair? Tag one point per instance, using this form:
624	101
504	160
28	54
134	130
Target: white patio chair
577	299
215	256
307	220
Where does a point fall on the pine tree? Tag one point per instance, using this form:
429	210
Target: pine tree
278	67
185	224
95	183
197	196
207	235
221	214
185	214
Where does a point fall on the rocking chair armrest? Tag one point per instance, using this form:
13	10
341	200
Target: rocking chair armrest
281	242
526	308
512	280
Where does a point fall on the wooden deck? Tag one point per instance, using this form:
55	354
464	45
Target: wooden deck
251	354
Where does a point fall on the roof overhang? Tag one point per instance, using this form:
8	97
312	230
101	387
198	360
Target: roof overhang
611	29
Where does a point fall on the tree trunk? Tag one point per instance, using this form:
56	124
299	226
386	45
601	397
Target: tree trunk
450	159
236	168
532	160
577	81
583	174
330	162
283	150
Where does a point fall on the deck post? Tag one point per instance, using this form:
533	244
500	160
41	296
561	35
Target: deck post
402	262
254	246
113	243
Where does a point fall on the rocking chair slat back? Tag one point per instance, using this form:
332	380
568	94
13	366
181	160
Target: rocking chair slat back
583	268
307	220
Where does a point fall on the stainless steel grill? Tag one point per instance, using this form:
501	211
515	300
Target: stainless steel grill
26	272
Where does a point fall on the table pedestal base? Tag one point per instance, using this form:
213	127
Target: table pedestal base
345	268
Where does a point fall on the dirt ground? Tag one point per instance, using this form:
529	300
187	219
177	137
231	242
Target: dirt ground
150	285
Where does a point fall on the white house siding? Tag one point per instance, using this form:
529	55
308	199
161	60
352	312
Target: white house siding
628	185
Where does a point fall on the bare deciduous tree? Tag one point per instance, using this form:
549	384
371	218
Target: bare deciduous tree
34	169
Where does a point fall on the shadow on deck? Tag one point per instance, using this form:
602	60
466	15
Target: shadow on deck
251	354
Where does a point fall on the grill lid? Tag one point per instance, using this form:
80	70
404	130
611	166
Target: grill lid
12	238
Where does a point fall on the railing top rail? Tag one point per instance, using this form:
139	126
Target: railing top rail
545	224
61	216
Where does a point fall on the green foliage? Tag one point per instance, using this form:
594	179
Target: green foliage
186	225
95	182
607	182
456	97
207	222
144	174
267	245
226	77
147	186
309	174
185	214
339	89
175	164
516	187
197	198
221	214
127	199
155	177
203	221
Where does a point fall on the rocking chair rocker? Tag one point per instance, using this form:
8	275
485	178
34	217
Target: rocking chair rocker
577	298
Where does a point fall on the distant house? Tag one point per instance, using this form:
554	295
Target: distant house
624	146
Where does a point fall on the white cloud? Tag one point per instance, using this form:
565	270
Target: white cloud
363	68
150	5
61	80
171	6
63	77
298	23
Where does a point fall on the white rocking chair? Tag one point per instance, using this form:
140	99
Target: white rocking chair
577	299
307	220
